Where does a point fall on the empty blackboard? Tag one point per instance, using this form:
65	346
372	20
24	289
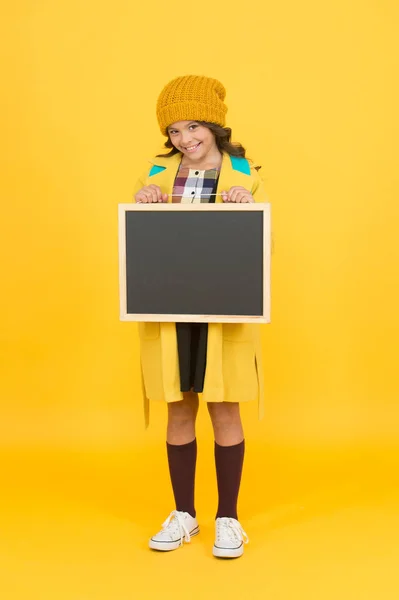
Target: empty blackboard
194	263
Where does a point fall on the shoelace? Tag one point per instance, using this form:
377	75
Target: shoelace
177	516
233	530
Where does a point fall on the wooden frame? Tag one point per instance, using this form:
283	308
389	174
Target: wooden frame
176	318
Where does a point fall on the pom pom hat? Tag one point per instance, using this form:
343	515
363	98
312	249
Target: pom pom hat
191	98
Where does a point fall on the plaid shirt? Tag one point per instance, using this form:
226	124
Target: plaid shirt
194	186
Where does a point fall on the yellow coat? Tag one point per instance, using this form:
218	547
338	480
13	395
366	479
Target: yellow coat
234	362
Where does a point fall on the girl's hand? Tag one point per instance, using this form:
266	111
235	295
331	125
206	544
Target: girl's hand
237	194
149	194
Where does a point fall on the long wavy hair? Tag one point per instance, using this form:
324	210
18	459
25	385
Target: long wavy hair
222	138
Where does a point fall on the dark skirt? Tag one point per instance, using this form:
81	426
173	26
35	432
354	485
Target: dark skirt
192	342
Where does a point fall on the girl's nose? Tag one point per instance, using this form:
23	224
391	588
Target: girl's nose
186	139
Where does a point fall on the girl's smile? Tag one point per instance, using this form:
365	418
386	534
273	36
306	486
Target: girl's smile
193	148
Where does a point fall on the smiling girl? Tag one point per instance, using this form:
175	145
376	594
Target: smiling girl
220	361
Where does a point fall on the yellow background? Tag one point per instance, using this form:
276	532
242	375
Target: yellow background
313	94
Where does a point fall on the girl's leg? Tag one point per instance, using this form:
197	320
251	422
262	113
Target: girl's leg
229	454
182	450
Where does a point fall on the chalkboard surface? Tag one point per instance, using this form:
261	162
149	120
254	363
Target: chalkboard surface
193	264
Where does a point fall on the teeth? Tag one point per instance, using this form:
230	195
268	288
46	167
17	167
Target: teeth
192	147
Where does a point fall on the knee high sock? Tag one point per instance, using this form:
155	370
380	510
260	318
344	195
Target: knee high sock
182	462
229	461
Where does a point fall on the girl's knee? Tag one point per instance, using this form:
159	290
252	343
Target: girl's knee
224	412
181	423
183	413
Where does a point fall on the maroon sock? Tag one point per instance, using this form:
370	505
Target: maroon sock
182	461
229	461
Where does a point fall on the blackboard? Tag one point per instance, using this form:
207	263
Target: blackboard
194	263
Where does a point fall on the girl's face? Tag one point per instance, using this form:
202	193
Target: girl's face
193	140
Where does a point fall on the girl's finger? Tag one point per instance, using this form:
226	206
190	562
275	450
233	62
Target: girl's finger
233	194
157	194
248	197
225	196
149	192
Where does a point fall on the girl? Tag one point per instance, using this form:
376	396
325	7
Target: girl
222	361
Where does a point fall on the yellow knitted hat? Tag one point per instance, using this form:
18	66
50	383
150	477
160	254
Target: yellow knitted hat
191	98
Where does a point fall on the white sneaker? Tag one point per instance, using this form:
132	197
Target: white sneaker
230	538
178	528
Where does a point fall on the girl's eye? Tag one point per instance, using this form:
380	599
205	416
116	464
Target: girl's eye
193	126
172	132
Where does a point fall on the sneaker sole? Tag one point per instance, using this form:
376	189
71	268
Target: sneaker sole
169	546
228	552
